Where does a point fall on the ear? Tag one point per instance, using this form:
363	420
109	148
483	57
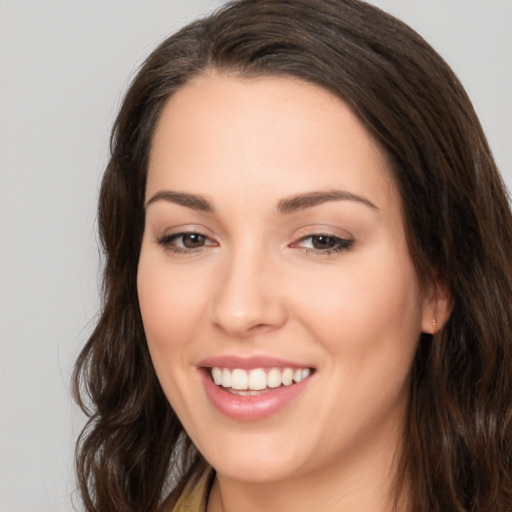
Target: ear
437	305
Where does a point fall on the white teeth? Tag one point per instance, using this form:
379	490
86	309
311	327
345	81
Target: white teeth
217	376
258	379
243	392
226	378
287	377
274	378
239	379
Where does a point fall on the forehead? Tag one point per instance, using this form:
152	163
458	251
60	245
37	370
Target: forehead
248	134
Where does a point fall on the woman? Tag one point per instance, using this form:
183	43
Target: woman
307	279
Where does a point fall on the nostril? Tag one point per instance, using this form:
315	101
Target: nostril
260	327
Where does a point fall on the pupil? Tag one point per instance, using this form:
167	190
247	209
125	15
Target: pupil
323	242
193	240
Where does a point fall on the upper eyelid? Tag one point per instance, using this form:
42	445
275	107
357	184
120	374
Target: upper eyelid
326	233
180	234
185	229
326	230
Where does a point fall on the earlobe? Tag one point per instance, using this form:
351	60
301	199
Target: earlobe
435	329
438	306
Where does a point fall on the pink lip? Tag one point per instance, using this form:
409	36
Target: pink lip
248	363
249	408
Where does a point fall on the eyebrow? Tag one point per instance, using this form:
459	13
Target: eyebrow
193	201
309	199
287	205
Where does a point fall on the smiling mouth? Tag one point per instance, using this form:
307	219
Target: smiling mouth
257	381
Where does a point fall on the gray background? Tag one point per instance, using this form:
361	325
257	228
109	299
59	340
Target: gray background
64	65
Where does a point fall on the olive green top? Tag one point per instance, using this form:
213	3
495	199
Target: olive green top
195	496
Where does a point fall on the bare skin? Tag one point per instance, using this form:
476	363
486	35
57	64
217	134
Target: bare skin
248	251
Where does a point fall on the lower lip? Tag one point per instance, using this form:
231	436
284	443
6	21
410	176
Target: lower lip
251	408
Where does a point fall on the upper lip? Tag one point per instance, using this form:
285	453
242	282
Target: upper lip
248	363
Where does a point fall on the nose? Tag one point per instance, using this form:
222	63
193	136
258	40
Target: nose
248	299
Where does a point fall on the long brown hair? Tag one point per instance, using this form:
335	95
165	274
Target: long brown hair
457	448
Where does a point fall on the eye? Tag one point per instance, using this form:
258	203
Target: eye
185	242
324	243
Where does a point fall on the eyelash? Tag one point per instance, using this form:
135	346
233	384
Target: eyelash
168	242
340	244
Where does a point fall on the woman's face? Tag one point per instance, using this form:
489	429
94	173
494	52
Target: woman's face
274	251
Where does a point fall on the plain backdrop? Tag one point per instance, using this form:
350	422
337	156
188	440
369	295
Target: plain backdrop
64	65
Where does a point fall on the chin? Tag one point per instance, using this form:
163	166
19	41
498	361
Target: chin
263	456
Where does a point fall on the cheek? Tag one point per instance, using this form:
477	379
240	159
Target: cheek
367	315
367	319
171	303
171	309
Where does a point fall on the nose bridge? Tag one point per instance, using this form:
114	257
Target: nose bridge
247	299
